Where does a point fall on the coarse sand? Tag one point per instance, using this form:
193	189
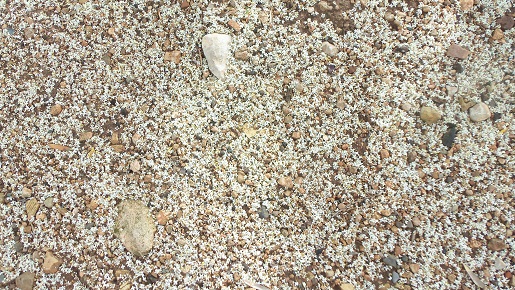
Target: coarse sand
310	165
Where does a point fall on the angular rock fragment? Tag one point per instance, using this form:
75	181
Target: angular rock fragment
457	51
466	4
449	136
216	48
429	115
25	281
135	227
51	263
479	112
496	245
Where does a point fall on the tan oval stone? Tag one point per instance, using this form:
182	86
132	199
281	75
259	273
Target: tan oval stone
479	112
32	207
135	227
56	110
285	182
347	286
429	115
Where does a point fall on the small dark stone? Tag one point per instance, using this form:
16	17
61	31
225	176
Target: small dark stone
331	68
151	279
391	260
88	226
449	179
263	212
458	67
404	258
411	156
485	97
449	136
288	94
507	22
319	252
18	247
497	116
402	48
409	224
124	112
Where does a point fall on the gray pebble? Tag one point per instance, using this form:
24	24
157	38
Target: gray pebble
49	202
263	212
395	277
391	260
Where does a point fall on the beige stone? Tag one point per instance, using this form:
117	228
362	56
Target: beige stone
234	25
479	112
329	49
26	192
457	51
496	245
51	263
347	286
56	110
173	56
25	281
59	147
429	115
135	166
466	4
285	182
135	227
32	207
85	136
497	34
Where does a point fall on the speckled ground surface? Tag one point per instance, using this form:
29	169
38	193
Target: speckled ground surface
298	171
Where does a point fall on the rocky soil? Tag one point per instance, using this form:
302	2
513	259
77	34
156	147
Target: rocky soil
265	144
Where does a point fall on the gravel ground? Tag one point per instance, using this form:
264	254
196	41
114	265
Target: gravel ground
351	144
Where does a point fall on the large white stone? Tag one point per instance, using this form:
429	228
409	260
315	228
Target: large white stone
479	112
135	227
216	48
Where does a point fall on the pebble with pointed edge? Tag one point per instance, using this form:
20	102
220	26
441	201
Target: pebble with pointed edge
51	263
479	112
135	227
216	48
25	281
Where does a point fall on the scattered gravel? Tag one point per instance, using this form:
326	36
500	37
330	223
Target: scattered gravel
281	144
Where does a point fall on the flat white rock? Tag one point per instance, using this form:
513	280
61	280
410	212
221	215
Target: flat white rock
216	48
479	112
135	227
